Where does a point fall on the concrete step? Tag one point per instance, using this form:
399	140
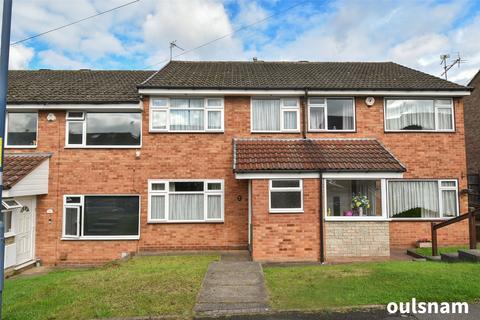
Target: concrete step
450	257
433	258
472	255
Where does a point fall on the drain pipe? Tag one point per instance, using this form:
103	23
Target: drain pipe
305	120
320	214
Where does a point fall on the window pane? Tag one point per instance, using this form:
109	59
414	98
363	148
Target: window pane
413	199
289	102
449	184
159	119
22	129
75	115
7	221
214	207
444	118
157	207
111	215
340	114
75	132
317	101
159	102
186	186
186	120
449	203
158	186
317	118
214	102
113	129
179	103
196	103
349	198
186	207
285	183
214	119
72	200
266	115
71	221
286	200
410	115
214	186
290	120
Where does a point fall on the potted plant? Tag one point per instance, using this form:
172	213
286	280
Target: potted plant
424	243
359	203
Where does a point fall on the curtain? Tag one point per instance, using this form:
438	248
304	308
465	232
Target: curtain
290	120
159	119
214	206
71	221
214	119
157	207
444	117
347	115
266	114
413	199
186	207
186	119
368	188
410	115
317	118
449	203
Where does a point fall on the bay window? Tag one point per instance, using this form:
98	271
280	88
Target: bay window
423	199
275	115
331	114
185	201
186	115
101	217
286	195
21	129
103	129
419	115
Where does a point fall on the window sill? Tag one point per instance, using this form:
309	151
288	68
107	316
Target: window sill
275	132
421	219
356	219
20	147
285	211
331	131
101	238
420	131
180	131
103	147
184	222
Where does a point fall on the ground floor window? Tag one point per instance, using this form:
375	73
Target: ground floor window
109	216
423	199
286	195
7	221
353	198
185	201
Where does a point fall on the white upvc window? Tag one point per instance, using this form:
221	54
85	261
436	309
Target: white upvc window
275	115
186	114
105	217
419	115
286	195
331	114
423	199
21	129
184	201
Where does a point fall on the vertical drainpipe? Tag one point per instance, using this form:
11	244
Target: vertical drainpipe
305	120
320	214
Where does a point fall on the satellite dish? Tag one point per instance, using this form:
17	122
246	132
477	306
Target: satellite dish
369	101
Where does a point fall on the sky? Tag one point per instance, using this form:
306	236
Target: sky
412	33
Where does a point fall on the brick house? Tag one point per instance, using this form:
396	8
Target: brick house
297	161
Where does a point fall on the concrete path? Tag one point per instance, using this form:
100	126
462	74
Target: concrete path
231	286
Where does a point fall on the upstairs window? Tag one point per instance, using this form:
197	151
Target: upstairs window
419	115
331	114
275	115
186	115
101	129
21	129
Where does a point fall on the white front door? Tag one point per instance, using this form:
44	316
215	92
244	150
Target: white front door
25	230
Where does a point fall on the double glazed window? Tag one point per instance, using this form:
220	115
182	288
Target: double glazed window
186	114
102	129
185	201
275	115
101	217
22	129
419	115
422	199
286	195
331	114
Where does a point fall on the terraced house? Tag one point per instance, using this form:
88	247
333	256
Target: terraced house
296	161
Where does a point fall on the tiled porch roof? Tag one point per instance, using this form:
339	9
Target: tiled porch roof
361	155
18	165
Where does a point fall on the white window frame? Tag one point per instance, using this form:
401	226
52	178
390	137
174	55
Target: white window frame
383	191
206	108
81	208
435	108
325	114
283	109
285	189
440	204
84	145
167	193
10	233
7	145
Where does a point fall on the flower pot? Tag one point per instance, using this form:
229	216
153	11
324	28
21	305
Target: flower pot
424	244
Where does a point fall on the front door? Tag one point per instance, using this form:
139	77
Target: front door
25	230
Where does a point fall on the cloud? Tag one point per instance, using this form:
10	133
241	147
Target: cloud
20	57
55	60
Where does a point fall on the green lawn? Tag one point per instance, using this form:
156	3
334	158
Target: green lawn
330	286
139	287
428	251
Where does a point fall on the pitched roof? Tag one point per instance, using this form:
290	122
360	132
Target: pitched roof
294	75
253	155
74	86
17	166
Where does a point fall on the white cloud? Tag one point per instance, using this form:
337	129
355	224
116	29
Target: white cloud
55	60
20	57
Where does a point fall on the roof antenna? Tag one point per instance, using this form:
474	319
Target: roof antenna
172	45
444	58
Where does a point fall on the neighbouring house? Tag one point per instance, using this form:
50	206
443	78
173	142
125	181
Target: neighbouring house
297	161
